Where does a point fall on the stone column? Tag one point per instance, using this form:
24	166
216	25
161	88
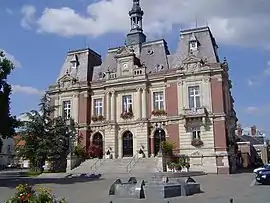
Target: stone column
152	146
108	106
75	108
144	104
113	106
138	104
120	147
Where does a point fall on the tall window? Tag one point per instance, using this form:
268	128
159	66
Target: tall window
66	109
196	134
194	97
158	99
127	103
98	105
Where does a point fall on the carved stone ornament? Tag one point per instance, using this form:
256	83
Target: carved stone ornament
124	51
196	154
67	81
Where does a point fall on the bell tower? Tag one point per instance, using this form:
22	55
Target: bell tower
136	35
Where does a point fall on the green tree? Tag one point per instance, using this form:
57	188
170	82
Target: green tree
8	122
46	137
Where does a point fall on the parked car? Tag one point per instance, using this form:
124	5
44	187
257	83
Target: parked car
267	167
263	177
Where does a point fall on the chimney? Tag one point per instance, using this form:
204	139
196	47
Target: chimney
239	130
253	130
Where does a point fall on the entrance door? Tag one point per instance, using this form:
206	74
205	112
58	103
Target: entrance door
98	145
127	144
159	133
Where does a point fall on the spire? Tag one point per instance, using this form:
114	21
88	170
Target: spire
136	35
136	15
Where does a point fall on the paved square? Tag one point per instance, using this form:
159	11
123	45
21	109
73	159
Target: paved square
217	189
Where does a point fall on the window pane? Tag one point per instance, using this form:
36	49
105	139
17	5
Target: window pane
199	134
190	91
194	134
198	103
127	103
191	102
161	105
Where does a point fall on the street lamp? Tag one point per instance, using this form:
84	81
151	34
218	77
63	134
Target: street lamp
159	128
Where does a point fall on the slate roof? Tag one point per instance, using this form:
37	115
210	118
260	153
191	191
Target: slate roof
254	140
155	55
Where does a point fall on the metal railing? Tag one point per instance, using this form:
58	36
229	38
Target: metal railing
132	162
95	166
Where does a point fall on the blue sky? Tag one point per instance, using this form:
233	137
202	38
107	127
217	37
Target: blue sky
36	35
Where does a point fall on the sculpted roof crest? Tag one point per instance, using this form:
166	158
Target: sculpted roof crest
192	59
124	51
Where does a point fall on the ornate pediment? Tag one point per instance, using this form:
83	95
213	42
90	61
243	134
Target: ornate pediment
124	52
192	59
67	81
192	64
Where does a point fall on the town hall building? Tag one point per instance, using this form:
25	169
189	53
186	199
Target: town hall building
141	94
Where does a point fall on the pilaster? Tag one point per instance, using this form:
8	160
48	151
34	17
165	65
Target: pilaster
144	103
108	106
139	106
113	106
75	108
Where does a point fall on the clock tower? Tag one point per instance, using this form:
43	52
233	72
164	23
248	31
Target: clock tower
136	35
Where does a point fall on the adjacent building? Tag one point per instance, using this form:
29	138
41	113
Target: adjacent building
140	93
252	146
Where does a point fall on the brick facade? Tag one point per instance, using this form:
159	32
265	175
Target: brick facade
144	93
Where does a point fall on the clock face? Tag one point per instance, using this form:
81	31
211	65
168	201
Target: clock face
125	66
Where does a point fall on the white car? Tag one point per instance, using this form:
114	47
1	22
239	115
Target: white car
256	170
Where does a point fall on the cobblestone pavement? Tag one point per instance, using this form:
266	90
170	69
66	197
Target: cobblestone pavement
217	189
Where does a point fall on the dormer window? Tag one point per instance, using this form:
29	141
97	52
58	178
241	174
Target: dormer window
74	61
193	43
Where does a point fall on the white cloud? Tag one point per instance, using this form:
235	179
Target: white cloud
28	13
253	82
252	109
258	110
26	90
9	11
12	58
241	22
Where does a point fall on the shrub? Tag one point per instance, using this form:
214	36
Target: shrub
79	151
26	194
167	147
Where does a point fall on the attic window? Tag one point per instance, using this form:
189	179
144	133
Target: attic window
74	61
150	52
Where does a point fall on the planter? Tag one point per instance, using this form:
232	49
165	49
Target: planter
141	155
127	115
185	169
196	142
97	118
158	112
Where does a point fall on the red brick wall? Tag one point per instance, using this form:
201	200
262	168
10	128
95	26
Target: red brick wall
220	135
83	109
217	96
171	100
173	132
218	108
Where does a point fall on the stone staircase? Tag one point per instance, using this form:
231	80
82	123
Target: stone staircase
145	166
124	166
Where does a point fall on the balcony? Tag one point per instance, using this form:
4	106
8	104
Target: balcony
194	115
195	112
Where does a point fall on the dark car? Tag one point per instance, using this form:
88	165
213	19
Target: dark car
263	177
